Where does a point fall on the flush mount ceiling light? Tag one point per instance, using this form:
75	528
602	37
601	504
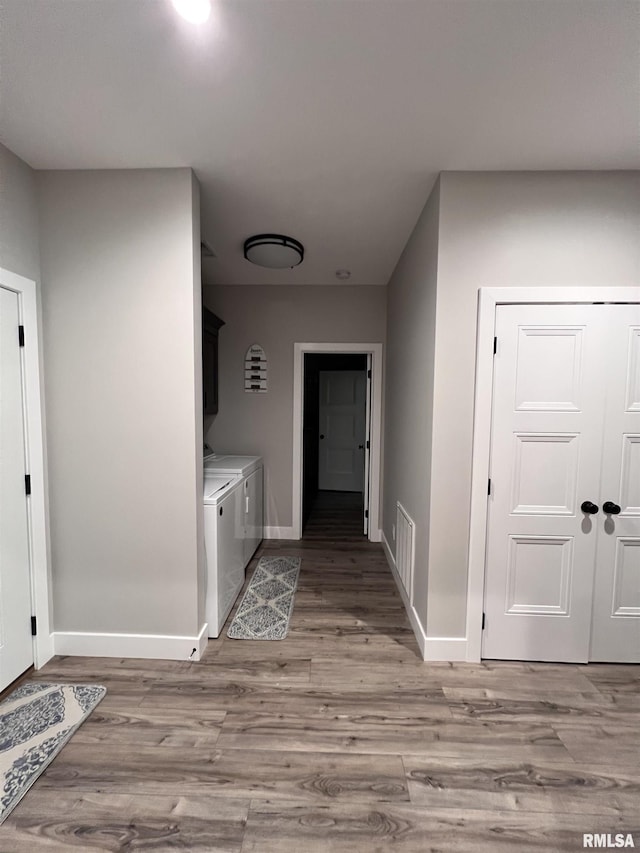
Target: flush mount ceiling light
194	11
274	251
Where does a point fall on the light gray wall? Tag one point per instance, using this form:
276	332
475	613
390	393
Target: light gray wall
120	331
276	317
411	314
20	253
18	217
531	229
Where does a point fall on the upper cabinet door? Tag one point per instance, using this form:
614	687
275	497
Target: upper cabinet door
210	326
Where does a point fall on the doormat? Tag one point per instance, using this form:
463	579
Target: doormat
36	721
266	607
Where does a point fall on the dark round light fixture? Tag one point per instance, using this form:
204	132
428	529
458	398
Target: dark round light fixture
274	251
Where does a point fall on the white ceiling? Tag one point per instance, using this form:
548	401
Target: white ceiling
327	120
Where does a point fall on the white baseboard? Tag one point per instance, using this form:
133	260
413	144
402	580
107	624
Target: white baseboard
152	646
432	648
202	640
278	533
446	648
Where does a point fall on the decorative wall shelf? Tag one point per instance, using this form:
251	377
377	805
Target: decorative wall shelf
255	370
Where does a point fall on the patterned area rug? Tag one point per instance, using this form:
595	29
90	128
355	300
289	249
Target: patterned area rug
36	721
266	607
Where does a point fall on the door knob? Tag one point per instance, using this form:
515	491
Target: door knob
361	447
610	508
589	508
322	436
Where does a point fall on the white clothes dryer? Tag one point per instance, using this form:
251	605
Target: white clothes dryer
250	470
224	541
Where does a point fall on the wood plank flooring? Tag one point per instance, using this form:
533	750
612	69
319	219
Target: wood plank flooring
339	738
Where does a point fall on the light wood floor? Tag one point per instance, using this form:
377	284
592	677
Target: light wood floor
339	738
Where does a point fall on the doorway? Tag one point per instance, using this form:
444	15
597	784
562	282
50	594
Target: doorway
25	634
342	466
561	539
334	437
16	648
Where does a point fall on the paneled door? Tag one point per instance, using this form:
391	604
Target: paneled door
16	646
558	422
616	605
342	430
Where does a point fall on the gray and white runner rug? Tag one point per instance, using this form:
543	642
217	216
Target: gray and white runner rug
36	721
266	607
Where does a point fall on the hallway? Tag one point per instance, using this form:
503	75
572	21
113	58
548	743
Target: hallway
335	516
338	738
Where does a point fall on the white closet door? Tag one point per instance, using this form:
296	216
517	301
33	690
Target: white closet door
16	646
548	403
616	604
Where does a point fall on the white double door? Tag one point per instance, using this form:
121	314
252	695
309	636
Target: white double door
16	645
562	577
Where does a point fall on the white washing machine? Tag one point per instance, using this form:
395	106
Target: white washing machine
250	470
224	540
231	463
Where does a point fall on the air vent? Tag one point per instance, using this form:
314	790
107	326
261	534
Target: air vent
206	251
405	549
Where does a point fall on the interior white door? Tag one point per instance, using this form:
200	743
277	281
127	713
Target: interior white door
367	446
342	430
547	428
16	646
616	604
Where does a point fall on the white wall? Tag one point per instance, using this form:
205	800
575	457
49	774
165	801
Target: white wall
275	317
411	313
518	230
121	325
478	229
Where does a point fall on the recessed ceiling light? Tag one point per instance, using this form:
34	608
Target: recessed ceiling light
274	251
343	275
194	11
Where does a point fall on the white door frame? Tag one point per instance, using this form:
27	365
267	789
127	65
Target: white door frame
488	300
34	445
375	350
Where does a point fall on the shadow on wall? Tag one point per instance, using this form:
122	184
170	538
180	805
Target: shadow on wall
271	517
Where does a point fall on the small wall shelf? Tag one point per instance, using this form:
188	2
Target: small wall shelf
255	370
